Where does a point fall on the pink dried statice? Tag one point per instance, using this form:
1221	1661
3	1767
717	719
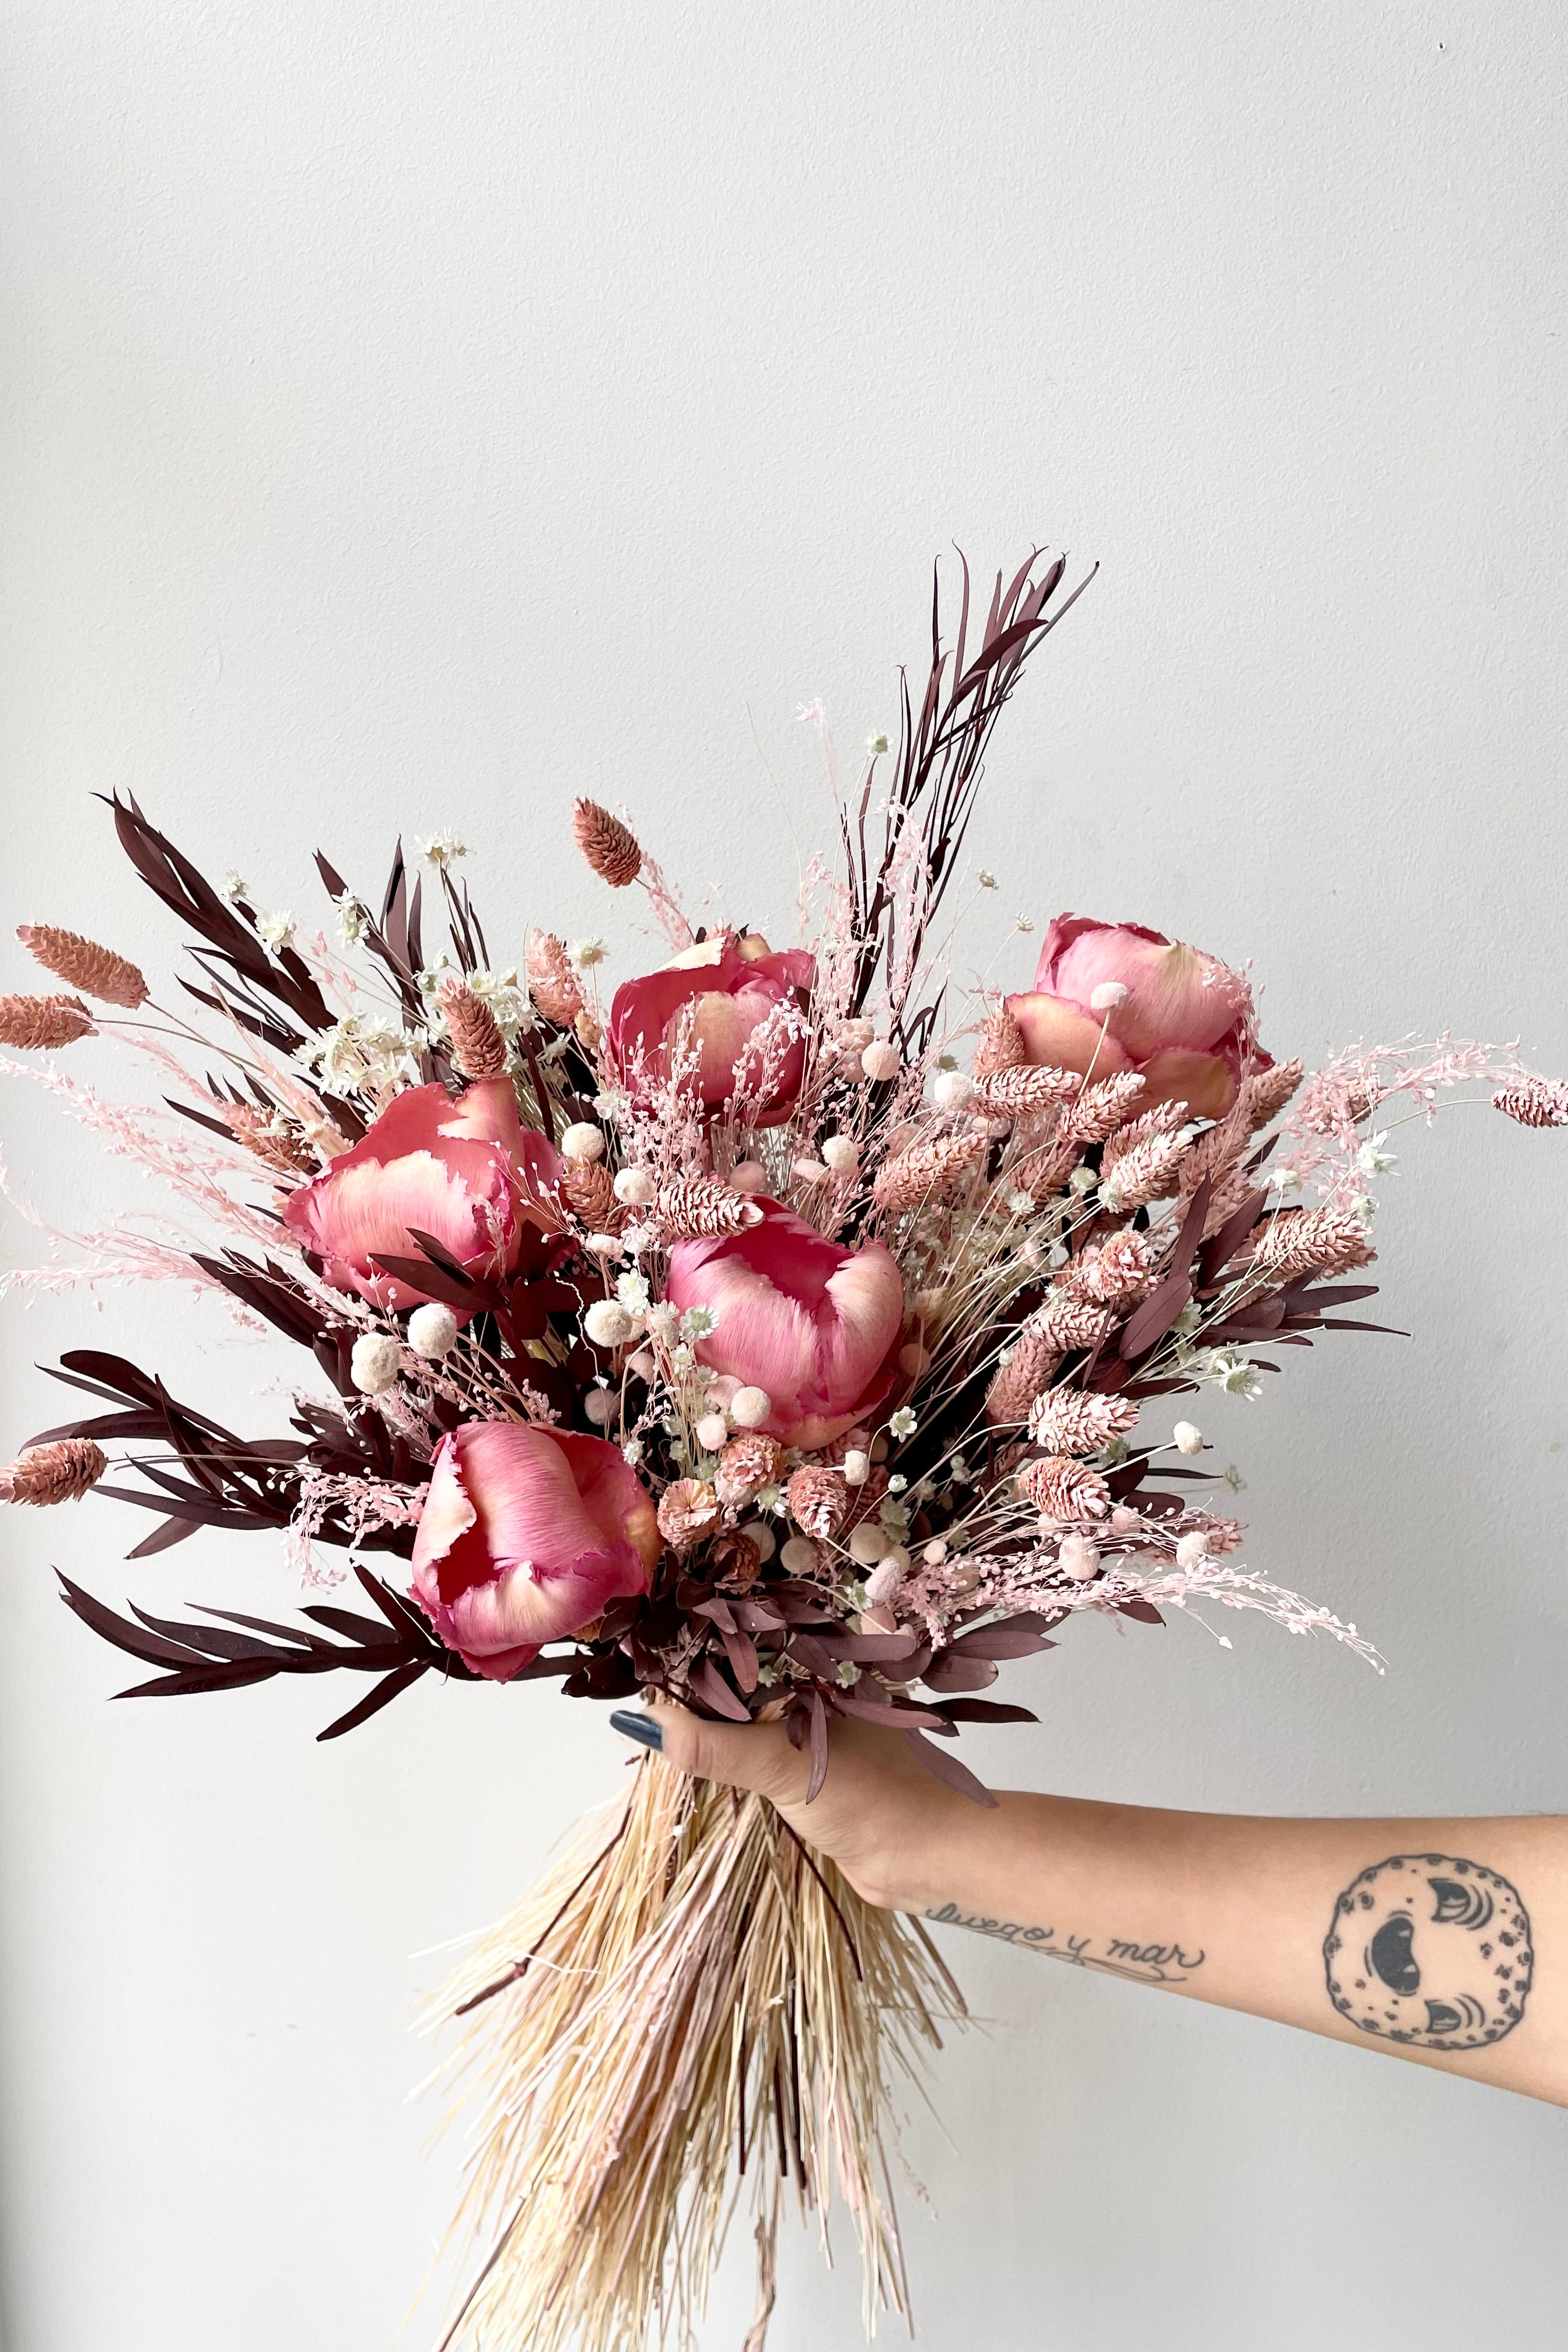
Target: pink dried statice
82	963
61	1472
1075	1420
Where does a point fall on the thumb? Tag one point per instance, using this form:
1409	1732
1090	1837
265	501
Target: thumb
742	1755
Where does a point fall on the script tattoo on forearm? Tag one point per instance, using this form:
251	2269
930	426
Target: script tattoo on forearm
1430	1951
1112	1955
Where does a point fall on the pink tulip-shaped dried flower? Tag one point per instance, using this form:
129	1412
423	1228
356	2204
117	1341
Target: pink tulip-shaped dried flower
1073	1421
610	848
37	1022
701	1205
82	963
1268	1091
553	982
1310	1241
61	1472
1534	1102
688	1510
747	1465
818	1501
479	1048
928	1172
1101	1107
1063	1490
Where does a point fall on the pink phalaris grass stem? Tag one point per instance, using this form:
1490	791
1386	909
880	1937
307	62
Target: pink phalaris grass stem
1268	1091
82	963
610	848
1075	1420
928	1171
37	1022
551	982
477	1046
58	1473
1310	1240
1064	1489
1534	1102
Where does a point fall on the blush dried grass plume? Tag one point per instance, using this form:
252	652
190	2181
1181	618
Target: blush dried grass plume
818	1501
1100	1108
1001	1045
1268	1091
82	963
1310	1241
610	848
1534	1102
553	982
1044	1339
478	1049
1072	1421
37	1022
928	1172
1027	1087
58	1473
1061	1489
1149	1171
698	1207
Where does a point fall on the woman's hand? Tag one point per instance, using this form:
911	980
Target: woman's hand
890	1825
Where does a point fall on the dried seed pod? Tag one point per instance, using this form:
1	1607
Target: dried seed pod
818	1501
61	1472
928	1172
1268	1091
552	984
1308	1240
479	1048
37	1023
610	848
82	963
747	1465
1098	1109
1534	1102
590	1189
1061	1489
699	1205
1001	1045
735	1559
687	1511
1073	1421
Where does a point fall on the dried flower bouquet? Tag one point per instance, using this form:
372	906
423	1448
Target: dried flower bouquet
766	1338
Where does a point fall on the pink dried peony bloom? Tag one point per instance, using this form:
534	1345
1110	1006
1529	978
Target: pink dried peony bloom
526	1534
464	1171
723	991
815	1325
1180	1023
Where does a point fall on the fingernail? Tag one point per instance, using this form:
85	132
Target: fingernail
640	1727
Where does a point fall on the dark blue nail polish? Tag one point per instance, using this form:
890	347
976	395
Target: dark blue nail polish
640	1727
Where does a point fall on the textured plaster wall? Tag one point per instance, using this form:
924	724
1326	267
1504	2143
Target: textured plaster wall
416	415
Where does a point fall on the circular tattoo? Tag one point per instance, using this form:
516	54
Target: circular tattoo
1430	1951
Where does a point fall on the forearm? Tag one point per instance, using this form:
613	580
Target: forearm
1446	1941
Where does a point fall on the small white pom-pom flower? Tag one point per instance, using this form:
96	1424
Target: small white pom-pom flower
664	1321
952	1090
842	1154
885	1579
762	1536
635	1188
432	1331
1078	1558
749	1407
857	1467
1192	1550
606	1245
748	1176
711	1430
1124	1521
642	1364
607	1324
600	1405
373	1367
868	1544
1187	1437
1108	995
913	1361
879	1061
798	1556
583	1141
934	1553
807	1171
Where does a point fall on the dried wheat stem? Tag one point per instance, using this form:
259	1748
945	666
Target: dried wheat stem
82	963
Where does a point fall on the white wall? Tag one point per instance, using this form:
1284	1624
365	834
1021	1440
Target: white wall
419	414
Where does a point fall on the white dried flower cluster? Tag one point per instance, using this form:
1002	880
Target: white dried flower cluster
586	953
440	848
276	928
353	921
362	1056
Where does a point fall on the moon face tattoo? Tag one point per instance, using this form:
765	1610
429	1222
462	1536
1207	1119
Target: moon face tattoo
1430	1951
